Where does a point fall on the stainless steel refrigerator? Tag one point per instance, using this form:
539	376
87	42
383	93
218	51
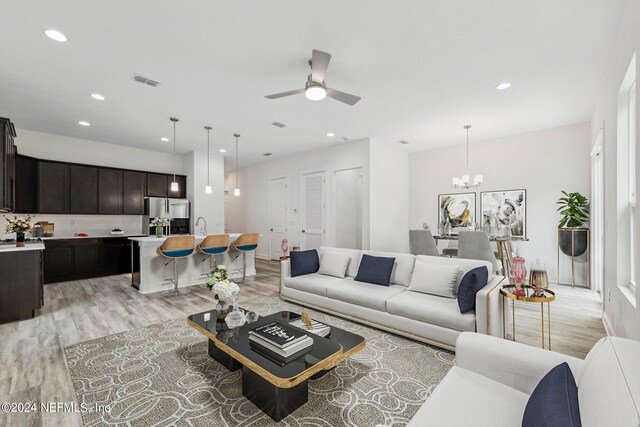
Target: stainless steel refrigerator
177	211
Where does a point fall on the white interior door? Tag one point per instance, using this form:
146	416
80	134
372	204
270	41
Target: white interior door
313	210
278	215
348	204
597	213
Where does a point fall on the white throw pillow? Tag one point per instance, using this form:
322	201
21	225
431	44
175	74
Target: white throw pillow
434	279
334	264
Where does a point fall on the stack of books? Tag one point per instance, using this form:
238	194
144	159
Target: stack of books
279	342
318	328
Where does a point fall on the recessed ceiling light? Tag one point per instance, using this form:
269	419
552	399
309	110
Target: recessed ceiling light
55	35
164	139
222	150
83	123
97	96
330	134
503	86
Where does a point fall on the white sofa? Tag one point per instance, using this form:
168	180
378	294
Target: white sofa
428	318
493	379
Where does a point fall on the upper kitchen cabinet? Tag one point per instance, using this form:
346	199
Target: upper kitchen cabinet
26	185
182	187
157	185
7	165
110	183
83	197
53	187
133	191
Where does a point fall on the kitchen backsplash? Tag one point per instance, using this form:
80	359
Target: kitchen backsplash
68	225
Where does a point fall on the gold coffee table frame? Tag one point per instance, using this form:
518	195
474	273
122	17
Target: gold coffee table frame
547	297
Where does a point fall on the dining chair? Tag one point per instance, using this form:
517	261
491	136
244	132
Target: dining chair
421	242
476	245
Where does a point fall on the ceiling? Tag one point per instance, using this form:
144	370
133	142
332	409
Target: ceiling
423	69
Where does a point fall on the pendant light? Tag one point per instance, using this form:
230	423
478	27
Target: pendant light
174	185
207	189
236	191
464	182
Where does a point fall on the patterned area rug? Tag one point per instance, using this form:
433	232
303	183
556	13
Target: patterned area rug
162	375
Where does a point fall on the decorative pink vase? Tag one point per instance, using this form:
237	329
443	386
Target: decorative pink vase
518	271
284	247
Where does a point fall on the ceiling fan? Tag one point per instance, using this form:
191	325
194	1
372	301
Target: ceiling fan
315	89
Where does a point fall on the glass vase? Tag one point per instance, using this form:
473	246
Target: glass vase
158	232
223	308
19	240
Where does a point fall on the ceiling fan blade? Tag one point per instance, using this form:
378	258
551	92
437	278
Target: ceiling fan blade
319	63
283	94
343	97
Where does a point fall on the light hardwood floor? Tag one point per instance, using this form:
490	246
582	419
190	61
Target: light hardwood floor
32	357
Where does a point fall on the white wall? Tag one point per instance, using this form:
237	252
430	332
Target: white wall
250	211
208	206
621	317
543	162
389	192
55	147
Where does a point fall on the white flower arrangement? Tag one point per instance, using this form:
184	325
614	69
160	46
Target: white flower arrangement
18	225
159	222
223	290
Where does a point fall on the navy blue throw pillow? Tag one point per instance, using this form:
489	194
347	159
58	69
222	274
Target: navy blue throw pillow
471	283
304	262
375	269
554	402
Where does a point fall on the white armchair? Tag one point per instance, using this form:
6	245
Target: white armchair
493	378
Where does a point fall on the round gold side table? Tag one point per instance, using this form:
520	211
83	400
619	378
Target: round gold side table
547	297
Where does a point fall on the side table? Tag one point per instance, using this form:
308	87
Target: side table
546	297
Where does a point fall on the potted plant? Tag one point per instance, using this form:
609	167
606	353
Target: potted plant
19	226
572	234
223	289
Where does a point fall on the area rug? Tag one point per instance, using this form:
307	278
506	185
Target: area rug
161	375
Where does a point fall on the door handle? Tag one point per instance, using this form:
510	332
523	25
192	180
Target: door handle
271	229
303	231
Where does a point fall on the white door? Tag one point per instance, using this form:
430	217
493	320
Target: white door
278	215
313	210
597	213
348	208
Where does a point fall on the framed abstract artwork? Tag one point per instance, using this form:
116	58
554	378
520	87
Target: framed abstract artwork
504	212
459	209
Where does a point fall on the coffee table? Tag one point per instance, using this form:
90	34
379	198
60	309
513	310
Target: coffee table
276	390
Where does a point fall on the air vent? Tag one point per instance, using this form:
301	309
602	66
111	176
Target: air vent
403	142
145	80
278	124
267	154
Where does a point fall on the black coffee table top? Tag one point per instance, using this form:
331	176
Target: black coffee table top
325	354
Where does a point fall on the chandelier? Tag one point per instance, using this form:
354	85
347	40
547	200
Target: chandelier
464	181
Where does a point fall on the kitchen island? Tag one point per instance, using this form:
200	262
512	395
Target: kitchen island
151	273
20	281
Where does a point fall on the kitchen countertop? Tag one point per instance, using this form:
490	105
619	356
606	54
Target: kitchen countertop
157	241
93	236
27	247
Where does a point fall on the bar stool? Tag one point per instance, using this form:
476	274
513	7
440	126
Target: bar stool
244	243
174	248
212	245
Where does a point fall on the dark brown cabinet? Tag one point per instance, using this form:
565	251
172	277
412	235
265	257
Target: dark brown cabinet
182	186
110	191
75	259
133	191
20	284
83	196
26	184
53	187
157	185
7	165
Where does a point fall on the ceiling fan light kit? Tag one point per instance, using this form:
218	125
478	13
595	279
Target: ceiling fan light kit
316	89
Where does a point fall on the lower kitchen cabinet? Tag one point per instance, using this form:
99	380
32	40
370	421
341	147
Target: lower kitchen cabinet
20	284
75	259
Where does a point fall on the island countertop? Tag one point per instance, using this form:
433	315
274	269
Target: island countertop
26	247
157	241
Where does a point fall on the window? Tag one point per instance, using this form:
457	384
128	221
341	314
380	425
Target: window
626	141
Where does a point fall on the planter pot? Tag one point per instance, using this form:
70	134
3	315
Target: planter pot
20	240
580	241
